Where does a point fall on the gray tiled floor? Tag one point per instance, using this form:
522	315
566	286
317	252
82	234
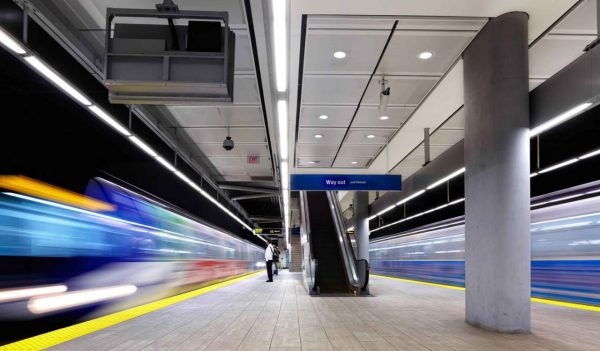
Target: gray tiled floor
254	315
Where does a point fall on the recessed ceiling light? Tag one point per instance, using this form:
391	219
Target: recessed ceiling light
354	162
339	55
384	118
426	55
323	117
313	162
318	136
370	136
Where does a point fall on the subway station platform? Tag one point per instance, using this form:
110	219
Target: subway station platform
253	315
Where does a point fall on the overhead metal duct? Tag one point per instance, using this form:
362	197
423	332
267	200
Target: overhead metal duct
167	56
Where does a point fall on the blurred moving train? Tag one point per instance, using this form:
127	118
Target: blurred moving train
565	244
61	252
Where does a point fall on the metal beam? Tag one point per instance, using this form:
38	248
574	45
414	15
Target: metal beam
249	189
256	196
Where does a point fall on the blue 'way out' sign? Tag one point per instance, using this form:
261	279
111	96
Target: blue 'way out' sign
370	182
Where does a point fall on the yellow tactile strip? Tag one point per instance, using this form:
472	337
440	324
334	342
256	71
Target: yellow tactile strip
534	299
60	336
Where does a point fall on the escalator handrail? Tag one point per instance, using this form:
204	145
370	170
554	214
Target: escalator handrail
306	221
346	245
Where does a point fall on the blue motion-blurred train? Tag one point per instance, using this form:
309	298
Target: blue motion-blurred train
62	252
565	243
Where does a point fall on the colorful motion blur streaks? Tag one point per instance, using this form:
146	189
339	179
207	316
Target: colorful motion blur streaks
565	242
28	186
86	256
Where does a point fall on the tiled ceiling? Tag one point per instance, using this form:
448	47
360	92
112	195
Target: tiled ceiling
354	131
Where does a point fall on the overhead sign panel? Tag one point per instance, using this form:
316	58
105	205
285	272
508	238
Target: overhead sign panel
371	182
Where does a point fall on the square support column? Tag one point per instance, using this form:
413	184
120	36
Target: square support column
497	234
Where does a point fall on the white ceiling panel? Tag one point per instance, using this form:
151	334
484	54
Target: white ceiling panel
337	116
401	57
357	150
447	137
314	162
211	116
553	53
328	89
330	135
581	21
351	162
217	135
457	121
362	49
245	90
403	90
243	52
360	136
317	149
370	116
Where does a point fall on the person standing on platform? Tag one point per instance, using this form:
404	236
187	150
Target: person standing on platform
269	258
276	259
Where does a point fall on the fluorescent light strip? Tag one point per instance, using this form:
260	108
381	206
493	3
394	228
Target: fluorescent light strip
285	177
282	114
385	210
446	178
46	71
26	292
10	43
147	149
44	304
417	194
559	165
166	164
280	43
559	119
588	155
109	120
419	214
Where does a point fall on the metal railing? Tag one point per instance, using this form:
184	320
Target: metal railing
344	240
309	264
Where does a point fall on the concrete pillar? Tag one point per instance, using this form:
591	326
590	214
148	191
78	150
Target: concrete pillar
497	246
361	229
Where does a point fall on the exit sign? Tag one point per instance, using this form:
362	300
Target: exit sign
253	159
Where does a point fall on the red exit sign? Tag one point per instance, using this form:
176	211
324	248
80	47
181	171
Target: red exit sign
253	159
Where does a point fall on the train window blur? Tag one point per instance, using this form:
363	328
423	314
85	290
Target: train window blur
565	249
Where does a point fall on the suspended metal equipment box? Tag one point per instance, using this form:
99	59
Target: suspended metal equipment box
168	57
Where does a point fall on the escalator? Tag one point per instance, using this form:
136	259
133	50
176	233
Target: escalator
328	259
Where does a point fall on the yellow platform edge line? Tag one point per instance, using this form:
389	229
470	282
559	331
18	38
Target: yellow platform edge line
62	335
533	299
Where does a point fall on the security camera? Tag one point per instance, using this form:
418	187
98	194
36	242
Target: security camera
228	144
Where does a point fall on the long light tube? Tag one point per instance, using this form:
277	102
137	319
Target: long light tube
417	194
147	149
419	214
446	178
282	113
557	166
285	176
559	119
56	79
11	44
109	120
280	43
